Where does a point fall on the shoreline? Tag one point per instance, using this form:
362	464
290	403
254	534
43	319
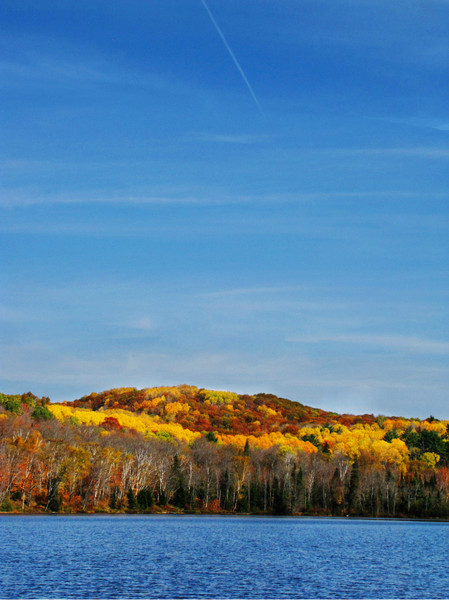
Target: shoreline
227	515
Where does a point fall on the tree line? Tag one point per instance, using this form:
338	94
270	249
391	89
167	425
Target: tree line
51	465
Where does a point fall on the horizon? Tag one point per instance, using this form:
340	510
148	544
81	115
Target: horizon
244	195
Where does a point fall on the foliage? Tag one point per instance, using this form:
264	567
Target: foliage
184	448
132	501
42	413
17	403
11	403
145	499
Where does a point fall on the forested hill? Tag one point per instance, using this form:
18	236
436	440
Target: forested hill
188	449
223	412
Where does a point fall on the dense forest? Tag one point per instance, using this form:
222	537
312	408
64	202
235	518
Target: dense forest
184	449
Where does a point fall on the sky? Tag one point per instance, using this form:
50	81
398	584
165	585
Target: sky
243	195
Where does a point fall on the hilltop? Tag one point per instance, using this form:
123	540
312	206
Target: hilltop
224	412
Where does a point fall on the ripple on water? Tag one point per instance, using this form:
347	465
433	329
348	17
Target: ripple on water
220	557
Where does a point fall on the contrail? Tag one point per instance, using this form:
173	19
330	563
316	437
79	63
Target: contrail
232	55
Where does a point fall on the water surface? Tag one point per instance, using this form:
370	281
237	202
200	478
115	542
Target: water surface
137	556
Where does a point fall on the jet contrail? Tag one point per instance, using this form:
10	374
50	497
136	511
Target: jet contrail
232	55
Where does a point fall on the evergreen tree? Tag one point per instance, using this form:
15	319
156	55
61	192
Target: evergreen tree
113	498
132	502
256	496
246	450
337	493
41	413
53	498
180	496
300	489
54	503
317	494
225	491
242	504
145	499
354	485
279	501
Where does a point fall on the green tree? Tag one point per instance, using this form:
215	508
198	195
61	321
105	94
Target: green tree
180	495
145	498
354	485
132	502
246	450
391	435
226	491
11	404
299	489
279	500
41	413
430	441
53	498
113	498
242	503
211	437
312	438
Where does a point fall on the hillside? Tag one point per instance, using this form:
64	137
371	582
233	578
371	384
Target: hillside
222	412
187	412
189	449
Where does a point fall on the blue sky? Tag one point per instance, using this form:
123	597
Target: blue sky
256	201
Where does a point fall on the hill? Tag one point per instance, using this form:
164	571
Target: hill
188	449
223	412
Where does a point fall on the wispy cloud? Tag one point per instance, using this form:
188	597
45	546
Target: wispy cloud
68	69
13	199
143	324
65	73
404	152
393	342
228	138
219	223
255	291
16	197
437	124
11	314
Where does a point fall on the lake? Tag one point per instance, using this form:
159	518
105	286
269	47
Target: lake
171	556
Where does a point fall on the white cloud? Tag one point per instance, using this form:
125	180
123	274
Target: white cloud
13	197
399	152
255	291
394	342
11	314
142	324
438	124
228	138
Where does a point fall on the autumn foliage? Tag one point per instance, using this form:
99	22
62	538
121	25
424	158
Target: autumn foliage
188	449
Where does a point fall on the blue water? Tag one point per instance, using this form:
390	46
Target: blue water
221	557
